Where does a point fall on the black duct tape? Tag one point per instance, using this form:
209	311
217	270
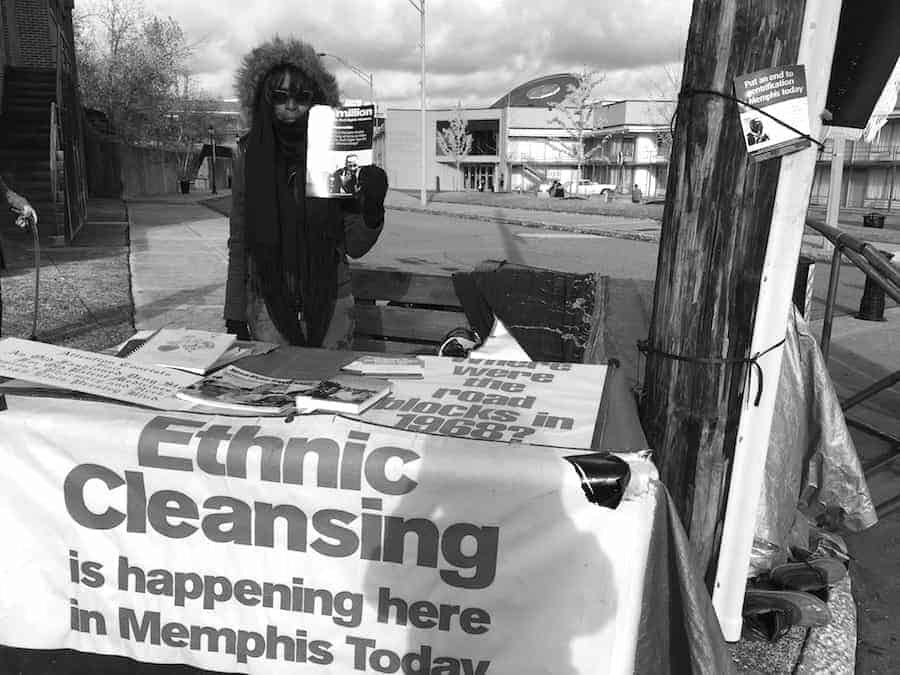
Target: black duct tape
604	477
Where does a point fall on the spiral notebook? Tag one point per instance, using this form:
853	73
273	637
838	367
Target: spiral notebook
189	349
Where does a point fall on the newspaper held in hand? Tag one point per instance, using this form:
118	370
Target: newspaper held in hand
238	391
345	394
389	367
339	143
188	349
781	93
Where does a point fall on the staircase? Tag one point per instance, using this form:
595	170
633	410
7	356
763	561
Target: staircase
537	175
25	146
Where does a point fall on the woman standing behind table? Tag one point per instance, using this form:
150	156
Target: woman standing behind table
26	215
288	276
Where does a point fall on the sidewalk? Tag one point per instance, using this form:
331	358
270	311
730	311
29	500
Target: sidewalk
178	260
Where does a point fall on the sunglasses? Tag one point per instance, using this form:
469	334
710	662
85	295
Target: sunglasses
301	96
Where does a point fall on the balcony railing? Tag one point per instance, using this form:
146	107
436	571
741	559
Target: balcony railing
864	152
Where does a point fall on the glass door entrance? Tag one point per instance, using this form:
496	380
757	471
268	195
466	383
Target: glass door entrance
478	177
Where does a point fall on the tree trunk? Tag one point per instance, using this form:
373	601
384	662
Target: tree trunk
715	226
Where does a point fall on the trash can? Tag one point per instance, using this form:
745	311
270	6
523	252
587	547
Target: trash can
871	304
873	220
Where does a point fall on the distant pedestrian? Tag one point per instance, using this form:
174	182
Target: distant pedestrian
26	216
481	185
288	277
636	194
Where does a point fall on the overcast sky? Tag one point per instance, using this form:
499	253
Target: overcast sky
476	50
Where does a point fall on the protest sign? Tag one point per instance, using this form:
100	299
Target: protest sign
781	94
496	400
323	544
101	375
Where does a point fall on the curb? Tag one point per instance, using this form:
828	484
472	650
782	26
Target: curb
535	224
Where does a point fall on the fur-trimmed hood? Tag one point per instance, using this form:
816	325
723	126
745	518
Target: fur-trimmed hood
278	52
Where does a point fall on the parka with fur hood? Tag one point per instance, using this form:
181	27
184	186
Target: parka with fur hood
355	224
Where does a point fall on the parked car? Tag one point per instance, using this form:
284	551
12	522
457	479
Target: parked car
589	188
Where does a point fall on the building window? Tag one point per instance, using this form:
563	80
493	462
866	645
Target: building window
485	134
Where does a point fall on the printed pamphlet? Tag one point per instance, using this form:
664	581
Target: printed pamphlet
390	367
235	390
339	143
344	393
196	351
239	350
781	93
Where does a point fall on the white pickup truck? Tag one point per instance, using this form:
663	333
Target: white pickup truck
588	188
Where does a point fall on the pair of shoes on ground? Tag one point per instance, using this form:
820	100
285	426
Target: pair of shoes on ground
793	594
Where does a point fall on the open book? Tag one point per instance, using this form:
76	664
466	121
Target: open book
235	390
344	393
339	143
192	350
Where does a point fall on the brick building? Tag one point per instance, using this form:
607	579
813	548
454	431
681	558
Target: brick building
41	134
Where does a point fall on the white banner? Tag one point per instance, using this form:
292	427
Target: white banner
322	545
552	404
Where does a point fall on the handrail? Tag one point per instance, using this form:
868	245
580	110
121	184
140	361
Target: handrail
54	141
865	256
879	271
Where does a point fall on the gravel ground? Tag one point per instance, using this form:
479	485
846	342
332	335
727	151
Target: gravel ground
85	289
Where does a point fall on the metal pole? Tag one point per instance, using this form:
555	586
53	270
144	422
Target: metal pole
424	198
833	280
359	72
212	165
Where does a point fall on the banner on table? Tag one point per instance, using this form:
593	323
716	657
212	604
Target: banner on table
324	543
553	404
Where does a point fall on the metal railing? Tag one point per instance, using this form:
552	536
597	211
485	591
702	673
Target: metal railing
879	271
863	152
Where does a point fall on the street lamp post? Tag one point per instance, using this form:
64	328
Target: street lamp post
420	8
359	72
212	161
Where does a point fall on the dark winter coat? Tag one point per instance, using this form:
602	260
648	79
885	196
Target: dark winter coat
359	232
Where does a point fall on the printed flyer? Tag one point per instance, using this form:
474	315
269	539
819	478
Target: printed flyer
321	545
339	144
781	93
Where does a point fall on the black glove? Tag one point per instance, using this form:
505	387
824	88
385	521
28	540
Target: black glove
372	185
239	328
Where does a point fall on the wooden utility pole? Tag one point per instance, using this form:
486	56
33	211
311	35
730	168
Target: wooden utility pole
715	227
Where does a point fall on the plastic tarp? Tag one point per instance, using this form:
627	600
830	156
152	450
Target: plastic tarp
813	474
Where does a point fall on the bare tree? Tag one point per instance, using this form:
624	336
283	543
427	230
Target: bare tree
577	116
665	88
454	140
128	64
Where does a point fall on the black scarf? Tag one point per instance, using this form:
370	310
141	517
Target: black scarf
292	240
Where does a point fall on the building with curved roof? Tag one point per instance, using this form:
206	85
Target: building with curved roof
517	143
541	92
